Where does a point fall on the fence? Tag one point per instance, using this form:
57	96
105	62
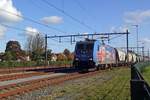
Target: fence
140	89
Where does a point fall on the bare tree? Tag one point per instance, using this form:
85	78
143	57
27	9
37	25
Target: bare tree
35	46
28	46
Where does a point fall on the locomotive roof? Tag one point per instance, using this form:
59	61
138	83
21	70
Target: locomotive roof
87	41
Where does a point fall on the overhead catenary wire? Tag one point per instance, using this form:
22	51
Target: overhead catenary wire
19	29
68	15
33	21
79	4
83	8
23	30
72	37
120	35
16	28
41	7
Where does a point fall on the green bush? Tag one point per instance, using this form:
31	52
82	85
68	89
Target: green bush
141	66
11	64
8	64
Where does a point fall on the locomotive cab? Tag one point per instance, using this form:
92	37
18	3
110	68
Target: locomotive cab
84	54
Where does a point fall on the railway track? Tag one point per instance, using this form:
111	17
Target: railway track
27	86
7	77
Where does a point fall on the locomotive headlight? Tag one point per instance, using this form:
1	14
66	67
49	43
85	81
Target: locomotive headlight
91	59
76	58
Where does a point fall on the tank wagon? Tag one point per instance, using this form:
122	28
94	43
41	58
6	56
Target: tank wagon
94	54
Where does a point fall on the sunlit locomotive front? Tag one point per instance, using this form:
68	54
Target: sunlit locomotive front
83	55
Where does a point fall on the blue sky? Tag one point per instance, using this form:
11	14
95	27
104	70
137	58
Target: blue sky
102	15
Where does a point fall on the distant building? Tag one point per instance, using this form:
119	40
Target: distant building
27	58
23	58
53	57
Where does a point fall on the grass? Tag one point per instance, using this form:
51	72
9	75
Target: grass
108	85
114	89
146	74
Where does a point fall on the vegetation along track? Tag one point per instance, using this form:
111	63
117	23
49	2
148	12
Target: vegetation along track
20	88
116	88
108	85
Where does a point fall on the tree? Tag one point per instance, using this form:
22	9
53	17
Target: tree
61	57
66	52
1	56
13	51
13	46
71	56
49	54
8	56
35	47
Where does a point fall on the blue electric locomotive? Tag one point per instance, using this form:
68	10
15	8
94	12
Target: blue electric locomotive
94	54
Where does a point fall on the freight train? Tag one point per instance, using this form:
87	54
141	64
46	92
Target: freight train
94	54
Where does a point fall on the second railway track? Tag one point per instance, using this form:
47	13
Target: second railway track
13	89
19	75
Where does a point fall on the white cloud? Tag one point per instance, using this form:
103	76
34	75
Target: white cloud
113	29
137	17
31	31
52	20
2	31
7	18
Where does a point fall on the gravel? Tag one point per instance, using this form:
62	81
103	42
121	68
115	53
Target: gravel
16	81
67	90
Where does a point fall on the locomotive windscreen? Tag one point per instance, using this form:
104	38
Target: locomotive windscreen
84	47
